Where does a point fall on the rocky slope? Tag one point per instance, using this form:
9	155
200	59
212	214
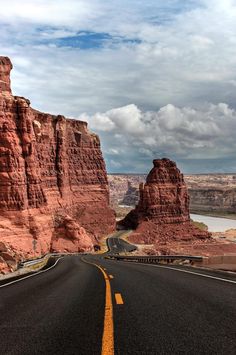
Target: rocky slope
207	192
161	216
53	183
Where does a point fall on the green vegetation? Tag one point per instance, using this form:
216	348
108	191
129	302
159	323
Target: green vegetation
200	225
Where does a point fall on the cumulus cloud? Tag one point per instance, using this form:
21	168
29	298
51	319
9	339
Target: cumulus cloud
155	53
185	134
166	65
51	13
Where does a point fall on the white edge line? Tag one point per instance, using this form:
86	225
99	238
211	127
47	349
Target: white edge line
196	273
190	272
26	277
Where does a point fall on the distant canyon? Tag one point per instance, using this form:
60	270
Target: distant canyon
209	193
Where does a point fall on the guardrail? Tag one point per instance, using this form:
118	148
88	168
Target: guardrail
38	260
155	259
35	264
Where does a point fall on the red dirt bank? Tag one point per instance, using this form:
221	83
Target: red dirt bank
53	183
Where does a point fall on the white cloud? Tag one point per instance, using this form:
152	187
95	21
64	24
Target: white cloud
166	65
146	152
113	151
102	122
54	12
182	133
183	55
115	164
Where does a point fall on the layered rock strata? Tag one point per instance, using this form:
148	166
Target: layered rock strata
53	184
211	199
162	214
208	192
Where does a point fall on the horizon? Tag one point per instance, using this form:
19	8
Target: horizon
108	173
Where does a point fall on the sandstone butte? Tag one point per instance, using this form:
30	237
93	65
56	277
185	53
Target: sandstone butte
54	193
161	217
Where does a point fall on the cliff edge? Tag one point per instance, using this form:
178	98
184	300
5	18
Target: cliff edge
53	184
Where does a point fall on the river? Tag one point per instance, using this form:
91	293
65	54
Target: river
215	224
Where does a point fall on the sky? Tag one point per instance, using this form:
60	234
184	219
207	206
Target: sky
154	78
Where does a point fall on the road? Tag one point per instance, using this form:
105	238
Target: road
154	310
117	245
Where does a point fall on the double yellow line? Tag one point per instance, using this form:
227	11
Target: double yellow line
108	329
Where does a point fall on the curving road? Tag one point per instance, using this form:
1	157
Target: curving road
117	245
155	310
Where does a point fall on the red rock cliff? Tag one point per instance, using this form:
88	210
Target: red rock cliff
53	183
162	214
5	69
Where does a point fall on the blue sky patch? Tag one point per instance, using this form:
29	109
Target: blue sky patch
86	40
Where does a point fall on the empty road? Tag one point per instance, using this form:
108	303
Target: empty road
91	305
117	245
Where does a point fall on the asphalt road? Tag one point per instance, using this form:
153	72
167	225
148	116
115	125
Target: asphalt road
60	311
156	310
117	245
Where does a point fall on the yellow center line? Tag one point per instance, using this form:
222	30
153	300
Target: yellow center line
119	299
108	329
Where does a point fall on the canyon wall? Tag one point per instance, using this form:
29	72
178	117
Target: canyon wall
122	185
222	200
54	192
207	192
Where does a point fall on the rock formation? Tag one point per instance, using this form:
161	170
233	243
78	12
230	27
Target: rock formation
5	69
53	183
162	214
208	192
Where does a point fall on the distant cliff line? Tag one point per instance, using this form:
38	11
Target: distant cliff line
213	194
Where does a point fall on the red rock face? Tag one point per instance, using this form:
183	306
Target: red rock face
164	197
162	214
53	183
5	69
